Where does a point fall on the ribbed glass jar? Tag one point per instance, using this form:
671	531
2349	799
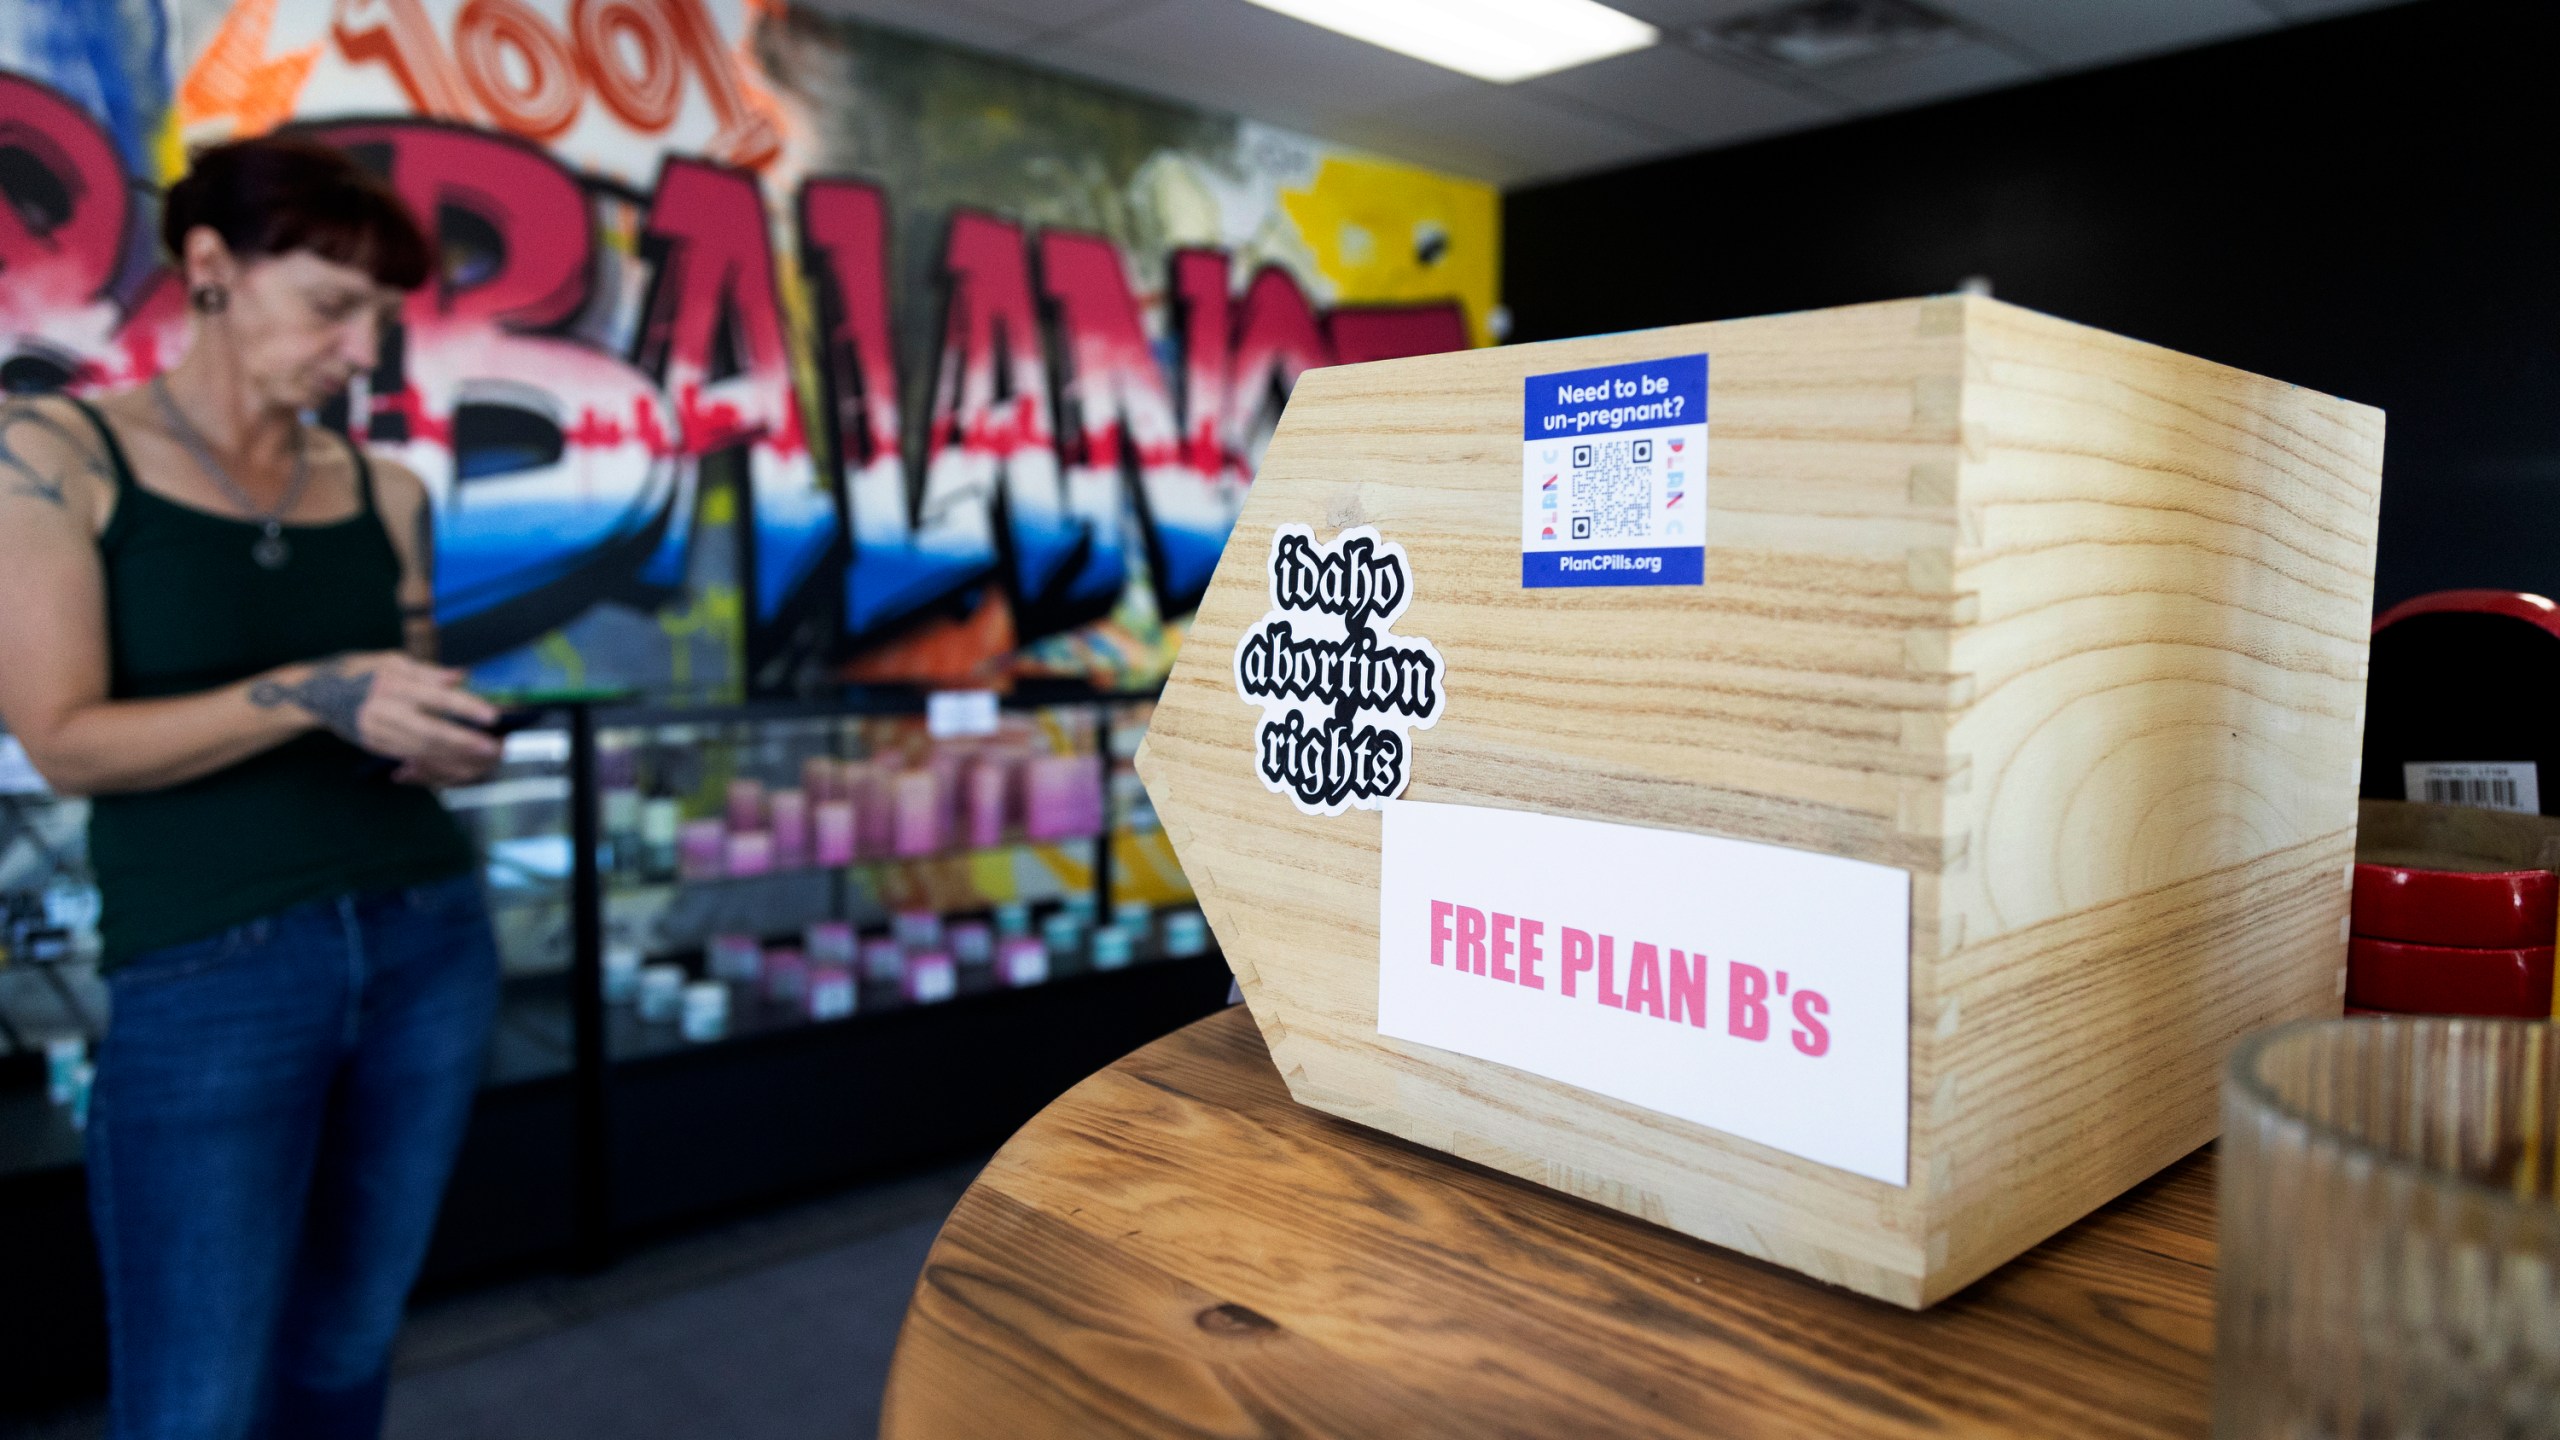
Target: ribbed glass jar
2390	1251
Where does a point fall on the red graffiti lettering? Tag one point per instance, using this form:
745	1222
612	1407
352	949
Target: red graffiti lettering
1389	332
537	95
399	35
745	137
517	431
629	53
1204	315
61	231
1277	340
715	296
565	473
510	66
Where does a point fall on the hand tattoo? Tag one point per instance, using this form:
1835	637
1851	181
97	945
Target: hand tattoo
328	694
21	475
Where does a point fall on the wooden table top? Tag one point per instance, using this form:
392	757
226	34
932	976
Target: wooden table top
1175	1247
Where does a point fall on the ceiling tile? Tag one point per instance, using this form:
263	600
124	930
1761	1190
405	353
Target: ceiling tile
1209	91
1234	57
2068	36
963	22
1042	14
1250	54
1505	134
1704	101
1912	79
2322	9
1227	56
1675	16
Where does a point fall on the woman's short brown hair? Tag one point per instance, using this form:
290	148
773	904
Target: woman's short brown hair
279	193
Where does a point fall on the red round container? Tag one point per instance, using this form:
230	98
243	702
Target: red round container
2448	980
2499	909
2514	604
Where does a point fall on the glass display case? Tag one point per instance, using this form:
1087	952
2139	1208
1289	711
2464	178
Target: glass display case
54	1005
712	921
780	866
519	818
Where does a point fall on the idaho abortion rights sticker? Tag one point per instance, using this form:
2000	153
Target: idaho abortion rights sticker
1613	467
1339	694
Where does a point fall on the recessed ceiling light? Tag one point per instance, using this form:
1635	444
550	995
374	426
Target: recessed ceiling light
1497	40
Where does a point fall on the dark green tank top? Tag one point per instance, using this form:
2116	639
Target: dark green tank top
188	610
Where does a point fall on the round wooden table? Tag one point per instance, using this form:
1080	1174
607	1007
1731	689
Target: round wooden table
1174	1247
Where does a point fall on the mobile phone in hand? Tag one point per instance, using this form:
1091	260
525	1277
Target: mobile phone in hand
511	720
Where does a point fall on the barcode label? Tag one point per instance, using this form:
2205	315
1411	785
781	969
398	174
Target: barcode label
2480	784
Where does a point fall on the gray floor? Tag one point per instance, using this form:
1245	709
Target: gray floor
774	1328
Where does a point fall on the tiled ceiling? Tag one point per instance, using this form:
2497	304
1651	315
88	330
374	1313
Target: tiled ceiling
1687	93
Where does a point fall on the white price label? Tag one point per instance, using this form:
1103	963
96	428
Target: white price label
2511	785
959	714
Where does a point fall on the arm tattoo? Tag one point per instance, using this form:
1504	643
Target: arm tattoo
22	477
328	694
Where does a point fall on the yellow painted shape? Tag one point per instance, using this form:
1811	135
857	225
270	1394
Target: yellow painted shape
1387	233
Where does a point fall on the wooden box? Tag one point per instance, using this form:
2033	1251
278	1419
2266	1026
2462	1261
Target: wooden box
2069	627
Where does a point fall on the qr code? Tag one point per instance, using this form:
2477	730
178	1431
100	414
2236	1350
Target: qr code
1613	493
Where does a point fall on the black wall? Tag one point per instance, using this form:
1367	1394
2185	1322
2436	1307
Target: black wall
2369	206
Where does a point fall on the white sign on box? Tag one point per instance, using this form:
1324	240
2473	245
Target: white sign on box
1763	991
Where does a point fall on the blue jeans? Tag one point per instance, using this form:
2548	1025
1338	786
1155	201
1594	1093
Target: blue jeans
277	1108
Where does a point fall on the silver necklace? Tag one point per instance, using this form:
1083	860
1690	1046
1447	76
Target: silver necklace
271	552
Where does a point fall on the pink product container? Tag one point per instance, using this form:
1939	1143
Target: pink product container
831	992
1062	797
949	766
702	850
822	779
735	957
921	824
790	809
1022	960
832	840
990	787
831	942
786	977
931	978
751	852
972	942
746	804
874	811
884	961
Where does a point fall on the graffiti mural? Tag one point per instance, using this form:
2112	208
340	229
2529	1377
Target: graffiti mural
766	348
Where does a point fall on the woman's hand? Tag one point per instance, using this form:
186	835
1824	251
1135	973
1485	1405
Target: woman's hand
394	706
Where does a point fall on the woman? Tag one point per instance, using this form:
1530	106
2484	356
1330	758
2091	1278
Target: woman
214	621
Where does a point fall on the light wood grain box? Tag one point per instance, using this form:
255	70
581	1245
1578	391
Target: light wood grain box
2069	627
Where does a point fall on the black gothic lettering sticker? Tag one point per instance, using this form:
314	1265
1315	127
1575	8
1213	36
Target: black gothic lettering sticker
1339	694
